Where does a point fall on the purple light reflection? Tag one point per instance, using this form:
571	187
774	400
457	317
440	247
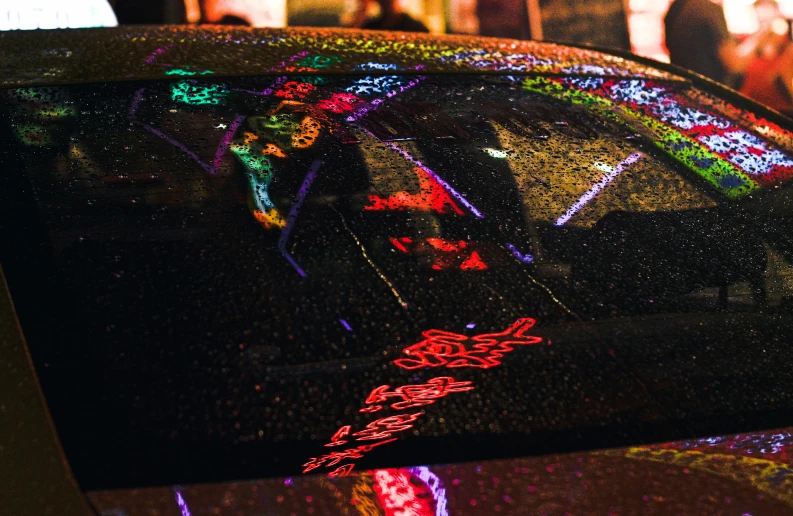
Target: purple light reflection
180	501
157	52
136	98
525	258
292	217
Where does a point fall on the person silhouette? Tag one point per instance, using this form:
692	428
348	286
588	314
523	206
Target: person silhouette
698	39
392	17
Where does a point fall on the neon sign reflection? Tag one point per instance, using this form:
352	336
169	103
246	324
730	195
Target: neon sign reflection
397	494
432	197
438	349
411	396
447	349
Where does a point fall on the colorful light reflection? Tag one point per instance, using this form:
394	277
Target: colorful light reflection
433	482
447	349
414	395
397	495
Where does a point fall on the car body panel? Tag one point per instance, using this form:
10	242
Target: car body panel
36	475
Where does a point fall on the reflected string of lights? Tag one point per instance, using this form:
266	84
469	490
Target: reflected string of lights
374	266
524	258
551	294
176	143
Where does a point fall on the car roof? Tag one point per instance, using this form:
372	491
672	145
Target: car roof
37	58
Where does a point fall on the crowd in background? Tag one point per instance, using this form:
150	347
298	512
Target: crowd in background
761	65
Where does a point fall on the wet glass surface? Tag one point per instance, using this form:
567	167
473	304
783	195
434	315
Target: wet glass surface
228	278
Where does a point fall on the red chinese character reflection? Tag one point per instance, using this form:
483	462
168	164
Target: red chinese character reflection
336	440
384	427
411	396
333	458
432	197
446	349
341	471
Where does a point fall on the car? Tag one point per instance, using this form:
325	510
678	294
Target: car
304	271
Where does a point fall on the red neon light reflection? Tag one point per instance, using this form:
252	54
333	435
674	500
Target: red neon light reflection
398	496
445	254
295	90
446	349
432	197
333	458
382	428
336	440
385	426
411	396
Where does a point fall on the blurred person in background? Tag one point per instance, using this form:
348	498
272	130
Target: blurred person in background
392	17
230	19
769	76
697	38
148	12
503	18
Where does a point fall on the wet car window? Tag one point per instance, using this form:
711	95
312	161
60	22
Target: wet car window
220	278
